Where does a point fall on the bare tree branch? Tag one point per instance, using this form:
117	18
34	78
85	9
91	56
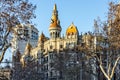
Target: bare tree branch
12	13
3	52
113	69
101	67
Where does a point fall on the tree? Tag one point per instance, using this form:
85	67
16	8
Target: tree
67	63
27	71
105	49
59	62
12	13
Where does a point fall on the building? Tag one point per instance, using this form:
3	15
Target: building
54	58
5	74
26	32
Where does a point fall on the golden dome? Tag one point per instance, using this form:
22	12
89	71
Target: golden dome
72	29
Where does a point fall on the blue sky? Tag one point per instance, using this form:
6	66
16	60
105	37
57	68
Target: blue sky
81	12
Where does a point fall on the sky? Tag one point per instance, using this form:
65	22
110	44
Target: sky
81	12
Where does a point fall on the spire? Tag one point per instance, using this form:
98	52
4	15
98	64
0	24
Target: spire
55	8
42	38
55	27
28	48
55	23
72	23
55	12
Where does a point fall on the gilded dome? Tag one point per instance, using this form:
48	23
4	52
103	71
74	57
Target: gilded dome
72	29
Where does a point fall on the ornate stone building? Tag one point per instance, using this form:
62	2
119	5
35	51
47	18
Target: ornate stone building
55	57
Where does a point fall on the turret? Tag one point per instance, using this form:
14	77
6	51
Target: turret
72	31
28	49
41	40
26	56
55	28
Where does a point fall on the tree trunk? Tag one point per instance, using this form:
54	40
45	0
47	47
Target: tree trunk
108	78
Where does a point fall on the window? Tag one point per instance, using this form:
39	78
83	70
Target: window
47	67
119	66
50	55
47	75
67	45
26	33
51	46
47	58
68	34
72	33
61	46
51	73
51	65
51	34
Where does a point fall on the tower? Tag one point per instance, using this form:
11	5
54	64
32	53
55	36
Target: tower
72	36
41	40
72	32
55	28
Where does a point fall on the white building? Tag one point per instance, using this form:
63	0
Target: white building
27	33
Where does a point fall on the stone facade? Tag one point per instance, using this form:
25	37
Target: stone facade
56	57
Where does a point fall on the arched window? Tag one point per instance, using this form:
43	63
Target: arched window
68	34
51	34
58	34
55	34
72	33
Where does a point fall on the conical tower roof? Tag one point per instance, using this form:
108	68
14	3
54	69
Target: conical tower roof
28	46
28	49
55	23
42	38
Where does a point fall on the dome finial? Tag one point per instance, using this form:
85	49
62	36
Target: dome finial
72	22
55	7
42	33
